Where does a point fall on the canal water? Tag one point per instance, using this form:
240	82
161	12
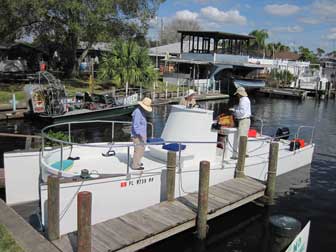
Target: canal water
306	194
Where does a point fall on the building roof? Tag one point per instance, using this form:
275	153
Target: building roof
287	55
174	49
217	34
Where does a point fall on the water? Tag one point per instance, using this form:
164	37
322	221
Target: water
310	195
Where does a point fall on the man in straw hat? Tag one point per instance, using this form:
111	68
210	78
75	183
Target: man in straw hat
188	100
242	112
139	131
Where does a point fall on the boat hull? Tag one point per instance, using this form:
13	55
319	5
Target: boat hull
88	115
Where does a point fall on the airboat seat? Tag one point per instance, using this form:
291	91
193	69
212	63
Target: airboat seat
87	97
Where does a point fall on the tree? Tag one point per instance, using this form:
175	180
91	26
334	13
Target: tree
169	33
319	52
260	40
307	55
273	48
127	64
65	24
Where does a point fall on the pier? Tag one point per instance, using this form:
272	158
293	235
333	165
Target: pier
139	229
284	92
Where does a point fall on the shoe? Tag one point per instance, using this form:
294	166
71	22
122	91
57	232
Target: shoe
137	168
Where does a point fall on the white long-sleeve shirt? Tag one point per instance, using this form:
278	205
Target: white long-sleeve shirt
243	110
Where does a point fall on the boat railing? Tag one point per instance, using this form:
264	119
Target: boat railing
63	143
112	145
261	123
312	129
128	145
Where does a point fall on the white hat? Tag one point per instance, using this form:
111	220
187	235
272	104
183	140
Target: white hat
146	104
241	91
189	93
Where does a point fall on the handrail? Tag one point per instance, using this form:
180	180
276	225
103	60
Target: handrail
307	127
261	122
19	135
45	135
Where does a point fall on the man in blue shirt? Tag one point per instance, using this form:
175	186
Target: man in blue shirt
139	131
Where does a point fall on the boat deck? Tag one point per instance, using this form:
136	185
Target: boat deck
139	229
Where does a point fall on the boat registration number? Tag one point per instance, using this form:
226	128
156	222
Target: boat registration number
136	182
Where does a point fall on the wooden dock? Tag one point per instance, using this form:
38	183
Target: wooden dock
284	92
9	115
139	229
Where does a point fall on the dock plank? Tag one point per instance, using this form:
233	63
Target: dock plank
137	230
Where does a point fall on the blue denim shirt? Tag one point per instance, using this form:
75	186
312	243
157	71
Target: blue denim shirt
139	124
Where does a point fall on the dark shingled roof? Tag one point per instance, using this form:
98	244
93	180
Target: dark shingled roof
217	34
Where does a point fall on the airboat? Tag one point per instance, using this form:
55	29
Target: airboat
47	101
103	167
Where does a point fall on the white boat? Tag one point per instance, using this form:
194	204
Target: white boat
311	80
117	189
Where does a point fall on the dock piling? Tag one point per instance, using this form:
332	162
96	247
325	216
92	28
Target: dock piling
239	173
84	203
53	208
272	170
171	171
203	192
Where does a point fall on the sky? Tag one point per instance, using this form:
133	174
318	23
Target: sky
308	23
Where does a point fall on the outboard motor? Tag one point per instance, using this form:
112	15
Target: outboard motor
282	133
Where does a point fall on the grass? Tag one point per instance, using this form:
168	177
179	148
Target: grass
7	243
72	87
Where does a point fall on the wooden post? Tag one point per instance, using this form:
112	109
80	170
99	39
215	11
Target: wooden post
171	169
203	191
84	200
241	157
272	170
53	208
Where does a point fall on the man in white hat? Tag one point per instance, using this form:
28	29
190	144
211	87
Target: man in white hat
242	112
139	131
188	100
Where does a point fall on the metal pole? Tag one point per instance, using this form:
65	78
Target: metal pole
42	146
112	132
128	160
69	132
61	157
179	161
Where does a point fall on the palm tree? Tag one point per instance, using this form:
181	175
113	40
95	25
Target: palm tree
274	48
127	64
260	39
319	52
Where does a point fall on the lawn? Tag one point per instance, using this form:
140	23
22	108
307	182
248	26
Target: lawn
72	87
7	243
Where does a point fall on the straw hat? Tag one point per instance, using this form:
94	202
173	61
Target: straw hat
146	104
189	93
241	91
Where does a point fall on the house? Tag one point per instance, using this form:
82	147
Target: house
209	60
19	57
